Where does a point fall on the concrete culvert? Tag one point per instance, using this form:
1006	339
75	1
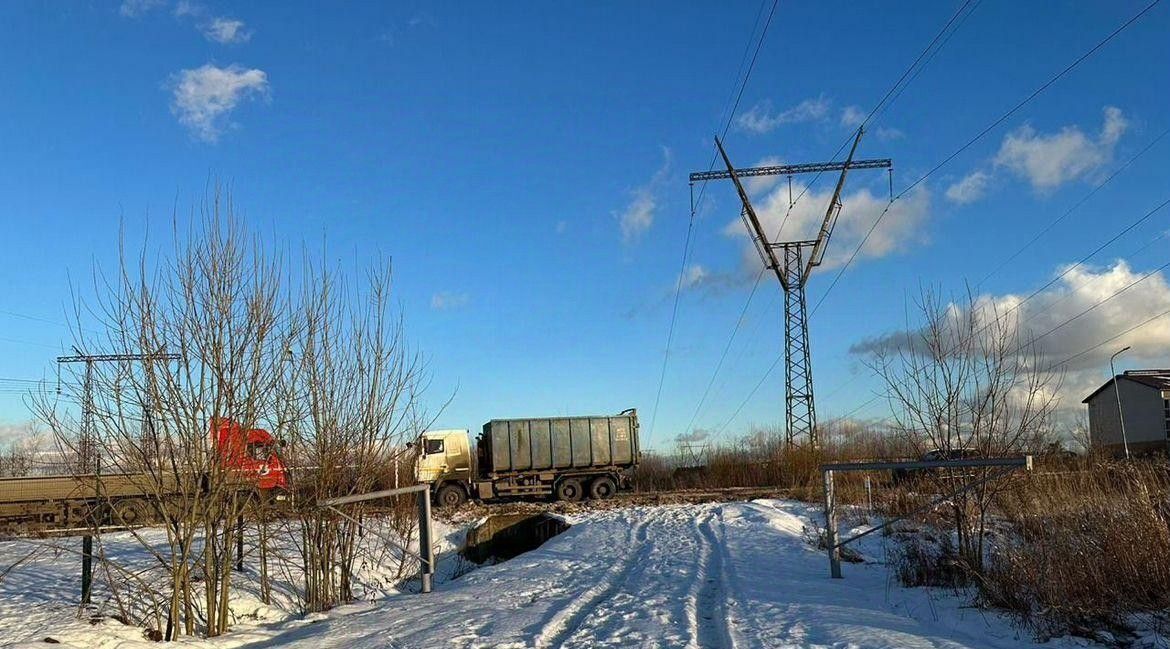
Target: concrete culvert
503	536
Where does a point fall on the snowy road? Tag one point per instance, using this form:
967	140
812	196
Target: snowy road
709	576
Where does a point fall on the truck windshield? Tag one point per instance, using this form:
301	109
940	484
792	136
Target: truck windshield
259	451
432	446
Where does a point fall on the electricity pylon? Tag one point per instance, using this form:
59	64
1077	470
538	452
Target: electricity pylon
87	450
792	267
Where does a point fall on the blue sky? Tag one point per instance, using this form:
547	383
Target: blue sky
525	167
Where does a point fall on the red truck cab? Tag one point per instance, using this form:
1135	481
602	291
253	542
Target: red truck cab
251	451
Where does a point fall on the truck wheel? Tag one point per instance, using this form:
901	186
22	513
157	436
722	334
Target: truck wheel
131	512
451	496
602	488
570	490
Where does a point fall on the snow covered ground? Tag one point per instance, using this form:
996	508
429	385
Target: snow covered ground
705	576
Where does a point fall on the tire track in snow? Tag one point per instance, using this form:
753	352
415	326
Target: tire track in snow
711	629
565	623
735	613
641	607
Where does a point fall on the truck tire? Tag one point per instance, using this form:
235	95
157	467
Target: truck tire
132	512
451	496
602	488
570	490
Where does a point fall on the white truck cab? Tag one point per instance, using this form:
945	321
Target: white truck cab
443	455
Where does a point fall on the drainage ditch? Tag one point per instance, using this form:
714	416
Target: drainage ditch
503	536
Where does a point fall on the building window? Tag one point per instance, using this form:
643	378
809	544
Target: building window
1166	416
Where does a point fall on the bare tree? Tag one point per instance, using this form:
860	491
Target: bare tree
349	394
966	379
324	368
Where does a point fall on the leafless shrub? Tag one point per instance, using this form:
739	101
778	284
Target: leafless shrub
967	378
318	363
654	473
927	561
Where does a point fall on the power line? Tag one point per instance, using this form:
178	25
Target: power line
894	90
1112	338
32	317
1058	220
1089	256
1098	303
1060	326
1072	209
908	70
694	210
1145	217
749	396
726	348
884	102
26	342
1001	119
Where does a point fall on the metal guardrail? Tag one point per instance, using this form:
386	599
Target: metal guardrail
1005	465
426	548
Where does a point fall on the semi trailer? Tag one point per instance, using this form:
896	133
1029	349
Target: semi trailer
68	500
569	458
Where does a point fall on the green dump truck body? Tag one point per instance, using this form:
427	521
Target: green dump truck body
558	444
570	458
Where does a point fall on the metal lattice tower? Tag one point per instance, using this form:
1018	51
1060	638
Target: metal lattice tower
87	443
800	412
793	268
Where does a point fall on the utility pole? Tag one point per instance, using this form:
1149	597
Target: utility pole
87	442
1117	392
792	266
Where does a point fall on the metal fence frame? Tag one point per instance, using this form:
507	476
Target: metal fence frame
1005	465
426	553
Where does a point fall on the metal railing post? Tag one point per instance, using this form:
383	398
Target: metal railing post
86	568
831	527
426	549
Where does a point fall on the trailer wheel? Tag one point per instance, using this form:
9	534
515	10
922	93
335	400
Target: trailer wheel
570	490
131	512
602	488
451	496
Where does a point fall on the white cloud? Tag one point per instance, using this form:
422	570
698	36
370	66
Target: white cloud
887	133
136	8
1050	160
226	30
970	189
444	301
1081	288
184	8
761	119
696	435
759	184
1044	316
901	227
562	227
692	276
204	97
23	434
638	215
852	116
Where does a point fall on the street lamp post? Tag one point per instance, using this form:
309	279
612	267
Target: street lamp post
1117	391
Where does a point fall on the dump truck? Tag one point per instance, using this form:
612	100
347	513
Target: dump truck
69	500
569	458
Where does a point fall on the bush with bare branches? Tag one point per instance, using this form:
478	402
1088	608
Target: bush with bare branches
321	364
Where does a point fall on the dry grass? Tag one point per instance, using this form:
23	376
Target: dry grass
1084	550
762	459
